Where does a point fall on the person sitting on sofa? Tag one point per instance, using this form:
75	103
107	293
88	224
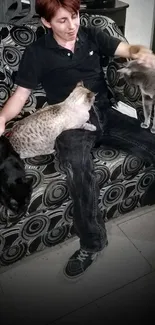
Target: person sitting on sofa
69	53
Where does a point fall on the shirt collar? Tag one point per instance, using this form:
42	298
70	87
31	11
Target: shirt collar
50	41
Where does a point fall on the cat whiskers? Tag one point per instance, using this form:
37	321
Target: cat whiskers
95	102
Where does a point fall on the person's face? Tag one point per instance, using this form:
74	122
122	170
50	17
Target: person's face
64	24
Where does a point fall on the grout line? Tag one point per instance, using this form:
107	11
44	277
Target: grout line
123	286
128	218
95	300
151	267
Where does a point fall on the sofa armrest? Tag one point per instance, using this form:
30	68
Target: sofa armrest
122	90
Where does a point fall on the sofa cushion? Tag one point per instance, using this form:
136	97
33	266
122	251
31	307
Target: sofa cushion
4	87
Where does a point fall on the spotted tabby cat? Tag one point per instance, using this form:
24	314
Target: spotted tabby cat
36	134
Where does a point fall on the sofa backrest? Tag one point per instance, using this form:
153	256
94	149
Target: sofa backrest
14	40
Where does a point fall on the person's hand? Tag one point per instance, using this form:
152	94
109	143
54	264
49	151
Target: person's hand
2	125
143	55
148	60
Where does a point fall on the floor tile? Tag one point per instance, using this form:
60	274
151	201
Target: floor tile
86	315
141	231
39	285
1	291
8	312
132	304
133	214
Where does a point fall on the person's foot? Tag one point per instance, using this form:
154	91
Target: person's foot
79	262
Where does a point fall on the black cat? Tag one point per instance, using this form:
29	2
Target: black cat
15	188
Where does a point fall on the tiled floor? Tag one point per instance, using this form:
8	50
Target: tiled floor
120	286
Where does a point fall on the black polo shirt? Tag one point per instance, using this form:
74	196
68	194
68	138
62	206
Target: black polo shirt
58	69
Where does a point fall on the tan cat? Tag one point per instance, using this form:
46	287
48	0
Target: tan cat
36	134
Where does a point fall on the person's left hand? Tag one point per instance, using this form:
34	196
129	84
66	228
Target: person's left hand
143	56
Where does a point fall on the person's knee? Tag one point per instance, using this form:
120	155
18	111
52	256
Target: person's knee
74	159
68	139
73	148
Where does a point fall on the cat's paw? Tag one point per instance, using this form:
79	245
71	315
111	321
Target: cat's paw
89	127
152	130
144	125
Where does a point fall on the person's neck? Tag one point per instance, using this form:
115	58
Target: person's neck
70	45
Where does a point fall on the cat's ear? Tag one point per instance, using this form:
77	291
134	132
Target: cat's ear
124	70
29	181
23	180
13	204
80	84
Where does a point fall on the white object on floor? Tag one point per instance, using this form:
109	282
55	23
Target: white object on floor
126	109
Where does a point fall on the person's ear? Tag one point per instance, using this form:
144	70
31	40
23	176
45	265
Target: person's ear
45	22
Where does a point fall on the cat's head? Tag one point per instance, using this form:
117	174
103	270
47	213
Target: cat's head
81	96
16	195
134	72
15	187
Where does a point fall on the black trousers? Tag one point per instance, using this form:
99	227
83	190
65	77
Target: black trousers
74	151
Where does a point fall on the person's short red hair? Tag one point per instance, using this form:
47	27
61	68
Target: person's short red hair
48	8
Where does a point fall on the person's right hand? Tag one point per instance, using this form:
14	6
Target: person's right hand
2	125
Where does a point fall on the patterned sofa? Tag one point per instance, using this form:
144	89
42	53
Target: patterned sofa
125	181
